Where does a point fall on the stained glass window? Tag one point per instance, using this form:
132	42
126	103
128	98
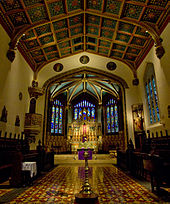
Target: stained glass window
152	100
156	98
76	113
84	110
57	118
112	116
151	93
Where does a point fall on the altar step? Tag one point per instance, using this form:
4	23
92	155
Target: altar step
73	159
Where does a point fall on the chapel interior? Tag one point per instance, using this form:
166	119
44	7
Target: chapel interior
84	101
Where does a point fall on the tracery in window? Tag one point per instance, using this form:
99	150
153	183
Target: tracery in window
112	116
151	93
57	118
84	110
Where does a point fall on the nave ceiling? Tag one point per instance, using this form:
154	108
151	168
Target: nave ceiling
45	31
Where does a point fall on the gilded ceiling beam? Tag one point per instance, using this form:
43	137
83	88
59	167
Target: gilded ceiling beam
74	90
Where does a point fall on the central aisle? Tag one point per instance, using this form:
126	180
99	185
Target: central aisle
62	183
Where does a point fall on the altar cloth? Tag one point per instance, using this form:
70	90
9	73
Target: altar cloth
30	166
81	154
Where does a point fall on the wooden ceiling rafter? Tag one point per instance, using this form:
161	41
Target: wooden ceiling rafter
153	32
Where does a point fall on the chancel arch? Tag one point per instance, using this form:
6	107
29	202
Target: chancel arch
86	106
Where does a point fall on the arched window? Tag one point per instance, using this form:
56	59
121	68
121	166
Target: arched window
151	94
112	120
57	118
84	110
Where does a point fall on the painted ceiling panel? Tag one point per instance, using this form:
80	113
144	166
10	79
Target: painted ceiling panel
90	89
88	83
56	29
79	89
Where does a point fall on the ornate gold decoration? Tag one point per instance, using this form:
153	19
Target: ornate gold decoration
32	126
35	92
58	67
84	59
111	66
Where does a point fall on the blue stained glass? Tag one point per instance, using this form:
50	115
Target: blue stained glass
93	113
60	120
112	116
108	119
80	113
75	114
152	101
52	119
112	119
56	119
88	112
84	111
116	119
156	98
148	99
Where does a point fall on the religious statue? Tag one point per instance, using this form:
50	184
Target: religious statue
17	121
4	114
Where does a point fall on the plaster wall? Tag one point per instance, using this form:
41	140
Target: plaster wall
97	62
15	77
162	74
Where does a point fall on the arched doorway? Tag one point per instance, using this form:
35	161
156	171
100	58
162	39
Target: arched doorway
85	105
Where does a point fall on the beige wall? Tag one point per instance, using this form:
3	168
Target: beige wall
15	77
162	73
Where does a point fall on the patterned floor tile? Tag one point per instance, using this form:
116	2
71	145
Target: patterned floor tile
62	183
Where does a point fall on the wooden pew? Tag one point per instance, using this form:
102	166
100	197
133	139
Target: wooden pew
159	170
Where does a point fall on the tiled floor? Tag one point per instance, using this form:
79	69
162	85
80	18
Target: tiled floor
62	183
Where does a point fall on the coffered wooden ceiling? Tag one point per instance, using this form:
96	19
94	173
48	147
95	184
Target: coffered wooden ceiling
47	30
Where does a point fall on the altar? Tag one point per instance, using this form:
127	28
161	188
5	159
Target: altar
84	134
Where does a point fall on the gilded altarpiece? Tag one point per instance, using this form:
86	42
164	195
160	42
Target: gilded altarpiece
84	134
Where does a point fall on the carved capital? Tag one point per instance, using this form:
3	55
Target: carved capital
160	51
135	82
35	92
11	55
